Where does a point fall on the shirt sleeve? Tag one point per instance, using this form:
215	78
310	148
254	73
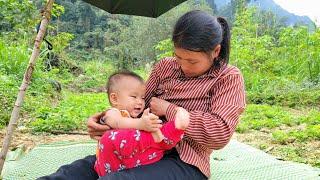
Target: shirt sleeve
214	129
171	112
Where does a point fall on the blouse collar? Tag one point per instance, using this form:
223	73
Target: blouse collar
212	72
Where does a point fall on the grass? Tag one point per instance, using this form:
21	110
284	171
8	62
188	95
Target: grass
292	135
93	78
288	98
69	114
7	88
298	153
257	117
308	129
292	154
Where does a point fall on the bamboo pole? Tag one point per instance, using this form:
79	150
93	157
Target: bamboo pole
46	15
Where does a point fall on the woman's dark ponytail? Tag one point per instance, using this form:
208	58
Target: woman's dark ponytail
225	43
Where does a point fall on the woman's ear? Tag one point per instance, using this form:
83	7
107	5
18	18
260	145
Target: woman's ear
113	99
216	51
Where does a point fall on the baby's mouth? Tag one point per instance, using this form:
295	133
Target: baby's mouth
137	109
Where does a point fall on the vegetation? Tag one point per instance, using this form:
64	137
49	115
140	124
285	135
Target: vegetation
68	114
281	67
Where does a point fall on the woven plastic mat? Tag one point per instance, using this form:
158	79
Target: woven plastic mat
240	161
235	161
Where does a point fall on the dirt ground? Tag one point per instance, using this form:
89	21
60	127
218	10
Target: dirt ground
28	140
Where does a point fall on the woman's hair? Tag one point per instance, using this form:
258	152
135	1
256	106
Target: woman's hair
201	32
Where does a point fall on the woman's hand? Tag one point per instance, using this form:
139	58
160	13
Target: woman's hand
149	122
159	106
95	129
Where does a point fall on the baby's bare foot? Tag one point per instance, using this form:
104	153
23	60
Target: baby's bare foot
182	118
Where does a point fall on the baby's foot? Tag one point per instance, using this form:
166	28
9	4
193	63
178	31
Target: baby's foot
182	118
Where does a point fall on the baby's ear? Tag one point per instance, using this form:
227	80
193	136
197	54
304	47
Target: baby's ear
113	98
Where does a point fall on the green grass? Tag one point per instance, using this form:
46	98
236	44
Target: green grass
300	153
143	72
311	132
289	134
13	59
7	90
303	127
288	98
292	154
69	114
94	78
313	118
257	117
309	129
280	137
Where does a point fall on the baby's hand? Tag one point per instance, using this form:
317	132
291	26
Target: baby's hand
149	122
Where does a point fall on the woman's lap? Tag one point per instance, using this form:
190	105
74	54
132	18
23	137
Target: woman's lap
81	169
170	167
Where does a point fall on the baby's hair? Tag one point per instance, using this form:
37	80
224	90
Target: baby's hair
117	76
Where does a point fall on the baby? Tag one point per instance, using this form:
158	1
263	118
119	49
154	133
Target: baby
129	144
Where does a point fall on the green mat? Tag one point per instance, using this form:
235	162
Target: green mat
235	161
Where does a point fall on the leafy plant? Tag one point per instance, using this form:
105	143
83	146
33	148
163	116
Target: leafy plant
69	114
257	117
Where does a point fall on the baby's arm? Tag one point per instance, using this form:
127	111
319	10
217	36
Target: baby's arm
115	120
148	122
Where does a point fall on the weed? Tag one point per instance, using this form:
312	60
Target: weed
69	114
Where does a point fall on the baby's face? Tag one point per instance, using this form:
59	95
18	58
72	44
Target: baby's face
131	96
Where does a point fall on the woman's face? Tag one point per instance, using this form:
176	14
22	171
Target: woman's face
193	63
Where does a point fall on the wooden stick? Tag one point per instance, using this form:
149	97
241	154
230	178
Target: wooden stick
46	15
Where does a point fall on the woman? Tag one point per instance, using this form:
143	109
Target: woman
198	79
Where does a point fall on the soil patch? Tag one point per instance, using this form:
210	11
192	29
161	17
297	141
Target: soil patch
22	138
